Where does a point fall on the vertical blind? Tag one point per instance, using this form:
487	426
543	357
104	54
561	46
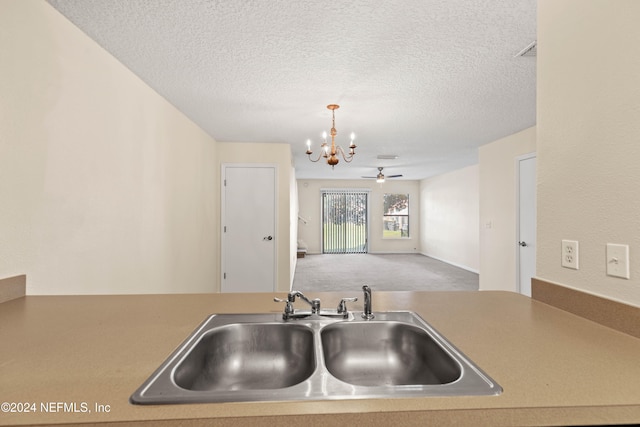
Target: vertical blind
344	221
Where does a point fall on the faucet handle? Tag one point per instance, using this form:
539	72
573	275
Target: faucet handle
288	308
342	307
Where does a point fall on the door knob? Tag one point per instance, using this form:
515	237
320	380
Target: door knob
522	244
268	238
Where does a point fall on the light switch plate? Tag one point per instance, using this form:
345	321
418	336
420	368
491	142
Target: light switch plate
618	260
570	254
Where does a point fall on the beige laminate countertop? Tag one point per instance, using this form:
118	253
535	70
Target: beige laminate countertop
555	368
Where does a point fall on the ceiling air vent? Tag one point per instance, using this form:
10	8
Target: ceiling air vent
530	50
387	156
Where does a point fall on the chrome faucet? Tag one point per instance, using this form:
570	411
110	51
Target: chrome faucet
315	304
289	311
367	314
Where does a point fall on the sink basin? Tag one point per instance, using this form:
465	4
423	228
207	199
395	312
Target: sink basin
261	357
248	356
386	353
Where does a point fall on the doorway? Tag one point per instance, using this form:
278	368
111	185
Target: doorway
248	228
345	221
526	252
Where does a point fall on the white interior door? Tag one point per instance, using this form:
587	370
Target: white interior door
526	222
249	228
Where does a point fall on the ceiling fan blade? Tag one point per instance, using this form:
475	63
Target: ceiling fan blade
372	177
393	176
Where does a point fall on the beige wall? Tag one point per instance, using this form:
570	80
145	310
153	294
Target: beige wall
293	225
589	140
104	186
310	210
449	209
497	172
279	154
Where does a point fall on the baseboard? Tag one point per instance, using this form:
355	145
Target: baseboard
373	253
13	288
613	314
395	253
464	267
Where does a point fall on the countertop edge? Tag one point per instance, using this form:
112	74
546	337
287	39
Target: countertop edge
557	416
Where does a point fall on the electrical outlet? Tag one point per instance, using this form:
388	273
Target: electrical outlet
570	254
618	260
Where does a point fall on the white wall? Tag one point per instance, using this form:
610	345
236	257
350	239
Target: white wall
497	172
589	140
310	210
104	186
279	154
449	209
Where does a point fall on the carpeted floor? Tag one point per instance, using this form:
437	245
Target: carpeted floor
393	272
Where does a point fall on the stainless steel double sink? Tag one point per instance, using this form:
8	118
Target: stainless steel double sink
261	357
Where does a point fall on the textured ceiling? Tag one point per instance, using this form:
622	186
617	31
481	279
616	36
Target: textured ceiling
428	80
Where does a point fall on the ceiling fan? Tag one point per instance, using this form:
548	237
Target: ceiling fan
380	177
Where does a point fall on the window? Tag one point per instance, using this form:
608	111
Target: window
396	216
344	221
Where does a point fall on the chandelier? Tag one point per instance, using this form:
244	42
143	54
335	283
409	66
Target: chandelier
330	152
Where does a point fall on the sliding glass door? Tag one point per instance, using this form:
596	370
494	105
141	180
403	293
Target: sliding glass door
344	221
